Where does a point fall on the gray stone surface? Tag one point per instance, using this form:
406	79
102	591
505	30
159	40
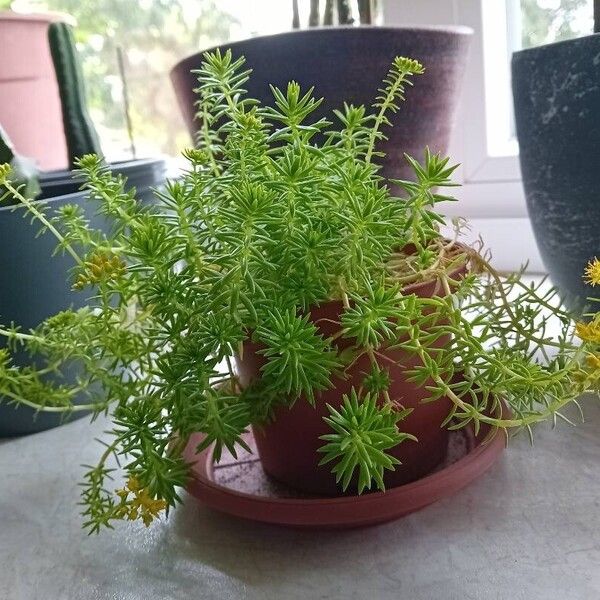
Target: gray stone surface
529	529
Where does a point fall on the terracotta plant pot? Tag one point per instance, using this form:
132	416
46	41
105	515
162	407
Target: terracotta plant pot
347	64
288	445
30	109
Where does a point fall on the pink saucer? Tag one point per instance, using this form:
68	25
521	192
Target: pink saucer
239	487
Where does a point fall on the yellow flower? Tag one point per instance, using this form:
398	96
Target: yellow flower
133	484
101	266
589	375
592	272
149	508
140	505
593	361
588	332
122	494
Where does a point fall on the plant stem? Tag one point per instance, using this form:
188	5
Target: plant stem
126	107
93	406
389	99
328	13
487	267
41	217
18	335
344	13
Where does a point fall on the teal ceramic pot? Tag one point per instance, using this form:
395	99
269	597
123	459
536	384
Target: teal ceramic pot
35	285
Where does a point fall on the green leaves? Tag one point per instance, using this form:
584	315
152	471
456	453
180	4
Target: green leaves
390	95
292	109
225	421
371	319
434	172
223	80
423	222
362	432
300	361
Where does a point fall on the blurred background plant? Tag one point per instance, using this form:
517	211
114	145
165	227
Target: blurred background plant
154	35
545	21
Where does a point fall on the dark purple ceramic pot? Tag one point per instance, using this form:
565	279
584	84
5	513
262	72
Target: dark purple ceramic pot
348	64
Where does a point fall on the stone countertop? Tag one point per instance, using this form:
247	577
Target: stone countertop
529	529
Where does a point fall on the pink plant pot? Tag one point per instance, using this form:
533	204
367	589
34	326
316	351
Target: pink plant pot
30	109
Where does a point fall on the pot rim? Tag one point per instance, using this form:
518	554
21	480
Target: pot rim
36	17
126	164
451	30
54	181
74	196
409	289
492	443
413	288
525	52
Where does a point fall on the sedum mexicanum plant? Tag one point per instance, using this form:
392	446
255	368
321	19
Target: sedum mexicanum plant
278	212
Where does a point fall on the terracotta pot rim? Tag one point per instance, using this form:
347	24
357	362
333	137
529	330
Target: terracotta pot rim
411	288
493	442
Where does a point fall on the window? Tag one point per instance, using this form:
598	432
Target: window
511	25
536	22
491	195
155	34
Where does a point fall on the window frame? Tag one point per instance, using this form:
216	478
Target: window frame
483	173
491	195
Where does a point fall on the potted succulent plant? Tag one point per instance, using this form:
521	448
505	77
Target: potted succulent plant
37	278
355	325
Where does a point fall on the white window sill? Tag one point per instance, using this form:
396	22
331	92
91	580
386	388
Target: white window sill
510	240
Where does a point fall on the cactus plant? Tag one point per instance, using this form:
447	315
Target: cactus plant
342	15
344	12
314	16
79	129
366	9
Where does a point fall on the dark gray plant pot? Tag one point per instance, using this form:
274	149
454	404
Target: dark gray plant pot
34	284
348	64
556	92
142	174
